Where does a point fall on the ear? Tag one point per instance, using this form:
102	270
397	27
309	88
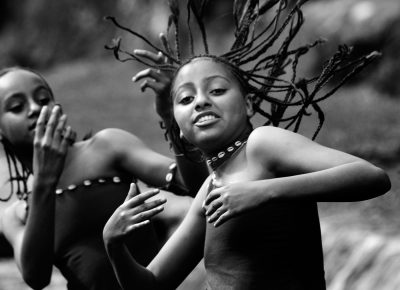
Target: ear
249	105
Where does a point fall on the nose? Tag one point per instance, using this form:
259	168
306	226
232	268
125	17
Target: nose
202	101
34	109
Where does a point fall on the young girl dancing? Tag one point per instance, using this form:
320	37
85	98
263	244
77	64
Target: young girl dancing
255	219
76	187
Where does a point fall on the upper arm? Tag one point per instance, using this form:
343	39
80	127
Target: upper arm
286	153
184	249
133	156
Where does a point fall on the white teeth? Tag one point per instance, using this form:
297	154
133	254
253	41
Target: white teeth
205	118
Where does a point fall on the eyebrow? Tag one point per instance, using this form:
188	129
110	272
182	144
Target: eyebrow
217	76
18	94
13	95
207	79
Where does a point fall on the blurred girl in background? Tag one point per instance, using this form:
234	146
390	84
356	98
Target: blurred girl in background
76	187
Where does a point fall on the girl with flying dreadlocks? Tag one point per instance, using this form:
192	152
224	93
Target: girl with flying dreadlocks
255	219
76	187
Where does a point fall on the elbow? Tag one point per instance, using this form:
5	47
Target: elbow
381	182
37	280
385	182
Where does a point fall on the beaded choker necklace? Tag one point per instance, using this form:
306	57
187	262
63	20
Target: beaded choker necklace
215	160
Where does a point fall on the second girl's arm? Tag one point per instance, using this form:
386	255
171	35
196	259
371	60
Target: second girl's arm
175	260
35	244
133	156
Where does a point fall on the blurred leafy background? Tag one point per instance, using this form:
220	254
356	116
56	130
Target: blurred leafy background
65	40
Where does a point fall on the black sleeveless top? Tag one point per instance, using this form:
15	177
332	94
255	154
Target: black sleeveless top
275	247
81	213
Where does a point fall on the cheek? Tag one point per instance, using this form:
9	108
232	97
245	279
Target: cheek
181	117
238	109
10	127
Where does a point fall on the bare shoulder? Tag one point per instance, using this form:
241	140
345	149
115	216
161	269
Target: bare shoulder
113	140
269	144
267	140
272	135
114	135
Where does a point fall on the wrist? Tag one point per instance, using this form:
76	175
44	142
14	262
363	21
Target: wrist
112	244
44	184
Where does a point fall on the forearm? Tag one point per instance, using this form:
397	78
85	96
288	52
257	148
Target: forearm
36	254
348	182
129	273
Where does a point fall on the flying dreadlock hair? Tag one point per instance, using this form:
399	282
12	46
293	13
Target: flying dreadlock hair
18	172
271	76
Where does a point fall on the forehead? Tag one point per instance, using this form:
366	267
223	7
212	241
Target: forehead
18	80
201	68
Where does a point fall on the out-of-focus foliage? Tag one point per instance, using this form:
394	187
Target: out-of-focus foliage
365	24
38	33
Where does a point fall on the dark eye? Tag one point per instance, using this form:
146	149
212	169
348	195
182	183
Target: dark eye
44	101
16	108
43	97
186	100
217	92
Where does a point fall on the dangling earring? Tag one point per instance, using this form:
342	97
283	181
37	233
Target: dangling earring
181	135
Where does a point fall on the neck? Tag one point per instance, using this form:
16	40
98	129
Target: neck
25	156
218	157
243	134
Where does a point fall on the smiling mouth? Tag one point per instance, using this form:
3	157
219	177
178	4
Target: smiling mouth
206	120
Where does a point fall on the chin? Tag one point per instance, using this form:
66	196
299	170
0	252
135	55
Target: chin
208	143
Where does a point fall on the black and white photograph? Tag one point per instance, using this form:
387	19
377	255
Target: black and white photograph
200	145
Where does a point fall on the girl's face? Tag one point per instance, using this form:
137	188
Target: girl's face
209	105
22	96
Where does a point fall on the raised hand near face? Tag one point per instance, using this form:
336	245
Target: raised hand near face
51	142
156	79
134	213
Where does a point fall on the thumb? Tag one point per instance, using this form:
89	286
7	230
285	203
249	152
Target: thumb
133	191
